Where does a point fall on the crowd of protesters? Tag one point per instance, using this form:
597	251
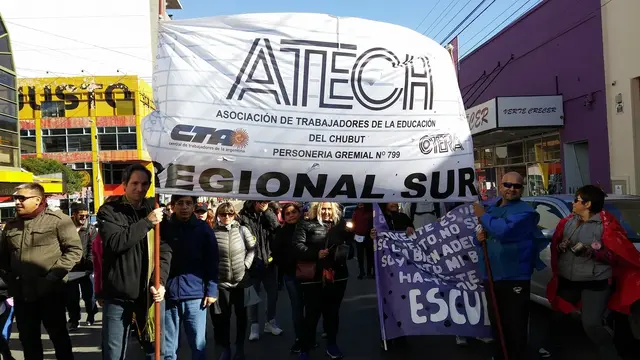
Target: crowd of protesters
215	262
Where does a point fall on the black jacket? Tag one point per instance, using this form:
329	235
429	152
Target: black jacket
126	251
311	237
398	221
85	266
263	226
283	249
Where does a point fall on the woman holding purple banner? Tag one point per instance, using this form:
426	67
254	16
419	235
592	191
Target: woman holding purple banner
396	221
321	251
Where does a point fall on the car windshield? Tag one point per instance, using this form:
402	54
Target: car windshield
628	213
348	212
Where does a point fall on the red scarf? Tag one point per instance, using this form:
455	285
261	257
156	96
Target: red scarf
625	264
42	207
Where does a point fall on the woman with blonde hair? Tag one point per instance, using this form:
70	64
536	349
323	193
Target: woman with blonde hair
321	251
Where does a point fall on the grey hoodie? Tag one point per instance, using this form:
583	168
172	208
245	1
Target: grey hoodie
579	268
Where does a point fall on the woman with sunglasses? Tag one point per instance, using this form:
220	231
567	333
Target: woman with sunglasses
321	250
236	248
596	268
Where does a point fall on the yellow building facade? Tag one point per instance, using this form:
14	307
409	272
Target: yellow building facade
11	174
92	124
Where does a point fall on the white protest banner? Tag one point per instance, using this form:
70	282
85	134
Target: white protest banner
307	106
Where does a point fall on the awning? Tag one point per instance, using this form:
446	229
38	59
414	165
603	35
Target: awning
516	114
12	177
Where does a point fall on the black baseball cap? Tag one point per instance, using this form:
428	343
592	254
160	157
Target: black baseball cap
201	207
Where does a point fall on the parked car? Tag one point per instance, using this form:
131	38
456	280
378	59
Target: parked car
347	214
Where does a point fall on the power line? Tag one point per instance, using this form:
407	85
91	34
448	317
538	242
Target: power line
78	41
491	22
578	23
469	24
492	80
490	33
439	18
428	13
39	49
467	18
450	21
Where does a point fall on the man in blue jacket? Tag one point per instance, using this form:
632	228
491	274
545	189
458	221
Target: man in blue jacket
514	242
193	277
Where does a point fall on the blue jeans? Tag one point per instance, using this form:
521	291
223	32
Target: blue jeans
116	326
194	317
297	307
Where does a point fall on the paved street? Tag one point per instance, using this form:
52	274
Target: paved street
358	336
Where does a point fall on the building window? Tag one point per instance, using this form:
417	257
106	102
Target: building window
7	79
79	143
9	139
8	123
81	166
125	107
4	44
9	156
112	173
51	109
54	143
66	140
7	93
509	154
28	141
117	138
6	61
8	108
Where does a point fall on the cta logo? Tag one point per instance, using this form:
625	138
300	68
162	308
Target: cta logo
238	138
440	144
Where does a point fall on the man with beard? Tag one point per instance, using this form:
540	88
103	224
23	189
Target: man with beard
38	249
514	242
263	223
126	227
80	276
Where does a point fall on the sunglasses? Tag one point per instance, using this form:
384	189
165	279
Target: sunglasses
227	215
578	200
510	185
22	198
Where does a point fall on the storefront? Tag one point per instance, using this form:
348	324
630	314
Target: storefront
518	134
536	98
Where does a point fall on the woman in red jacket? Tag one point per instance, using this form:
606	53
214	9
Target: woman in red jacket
362	224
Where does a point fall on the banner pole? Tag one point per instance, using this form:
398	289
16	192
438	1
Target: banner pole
492	292
156	281
376	264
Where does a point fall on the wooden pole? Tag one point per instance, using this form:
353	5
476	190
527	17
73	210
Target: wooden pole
494	302
156	281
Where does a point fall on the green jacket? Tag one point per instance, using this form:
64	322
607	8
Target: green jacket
37	254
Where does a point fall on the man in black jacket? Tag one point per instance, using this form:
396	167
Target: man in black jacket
263	223
80	275
126	228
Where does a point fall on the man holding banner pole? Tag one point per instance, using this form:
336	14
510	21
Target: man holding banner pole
514	242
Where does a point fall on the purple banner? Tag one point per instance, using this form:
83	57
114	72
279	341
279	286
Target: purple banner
428	283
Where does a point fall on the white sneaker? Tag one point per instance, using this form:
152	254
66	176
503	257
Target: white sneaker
255	332
272	327
462	341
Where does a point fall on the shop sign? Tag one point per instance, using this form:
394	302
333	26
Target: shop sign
482	117
520	111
